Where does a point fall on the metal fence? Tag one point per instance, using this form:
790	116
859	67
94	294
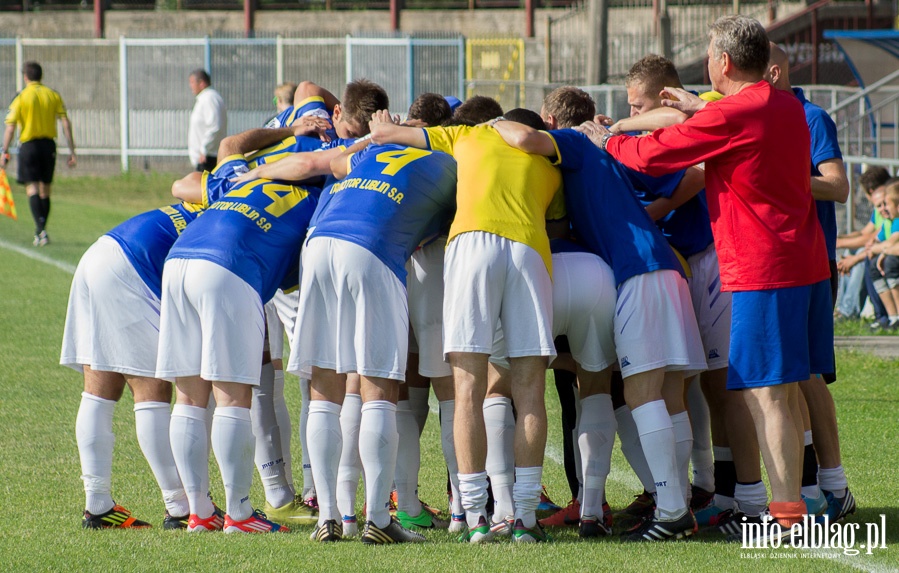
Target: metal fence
635	30
129	97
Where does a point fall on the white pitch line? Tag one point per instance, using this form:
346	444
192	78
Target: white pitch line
34	255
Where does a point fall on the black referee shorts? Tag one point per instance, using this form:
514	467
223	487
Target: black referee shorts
37	161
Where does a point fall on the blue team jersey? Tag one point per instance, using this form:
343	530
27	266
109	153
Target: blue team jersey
309	106
255	232
825	145
291	145
687	228
220	180
393	198
605	214
147	238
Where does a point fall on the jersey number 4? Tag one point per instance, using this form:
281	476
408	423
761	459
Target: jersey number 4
399	158
284	197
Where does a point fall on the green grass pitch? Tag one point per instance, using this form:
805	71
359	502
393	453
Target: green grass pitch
43	496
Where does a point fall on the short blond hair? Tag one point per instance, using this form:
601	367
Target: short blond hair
284	93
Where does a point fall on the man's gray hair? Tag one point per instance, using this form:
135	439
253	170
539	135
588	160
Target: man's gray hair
745	41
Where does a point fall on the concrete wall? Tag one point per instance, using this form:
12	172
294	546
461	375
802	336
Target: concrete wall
198	23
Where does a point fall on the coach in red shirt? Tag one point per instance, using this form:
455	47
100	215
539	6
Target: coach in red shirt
755	145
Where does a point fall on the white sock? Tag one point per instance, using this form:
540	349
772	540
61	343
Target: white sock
632	448
210	415
578	461
657	438
833	480
308	480
447	415
93	432
723	454
701	424
377	448
350	467
190	449
473	491
233	444
500	425
526	493
683	446
751	498
596	438
282	415
418	403
152	421
269	455
325	444
408	459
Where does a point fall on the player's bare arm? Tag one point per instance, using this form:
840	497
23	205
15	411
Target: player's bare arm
7	140
384	130
857	239
692	183
297	167
650	120
340	167
525	138
67	130
832	184
308	89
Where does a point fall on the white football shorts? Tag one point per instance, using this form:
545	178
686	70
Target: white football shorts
112	321
212	324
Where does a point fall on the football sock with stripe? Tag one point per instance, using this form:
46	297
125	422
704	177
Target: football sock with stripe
527	491
152	421
269	456
657	439
500	425
233	444
596	438
325	444
350	468
377	449
683	446
93	432
408	459
447	416
190	450
308	485
700	421
632	448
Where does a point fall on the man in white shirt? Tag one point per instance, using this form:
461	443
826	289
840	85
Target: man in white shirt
208	122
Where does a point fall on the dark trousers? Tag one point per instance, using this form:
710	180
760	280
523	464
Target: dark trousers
209	165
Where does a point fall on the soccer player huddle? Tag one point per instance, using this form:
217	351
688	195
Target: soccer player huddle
681	275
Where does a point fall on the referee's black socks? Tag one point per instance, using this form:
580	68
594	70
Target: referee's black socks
37	212
45	210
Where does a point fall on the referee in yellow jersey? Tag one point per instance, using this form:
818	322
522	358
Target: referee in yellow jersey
35	109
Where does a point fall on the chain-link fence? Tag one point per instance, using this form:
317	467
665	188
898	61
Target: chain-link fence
129	99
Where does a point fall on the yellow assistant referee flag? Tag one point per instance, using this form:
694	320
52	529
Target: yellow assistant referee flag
7	205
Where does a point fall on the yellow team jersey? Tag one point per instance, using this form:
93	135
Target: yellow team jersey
35	110
711	96
500	189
